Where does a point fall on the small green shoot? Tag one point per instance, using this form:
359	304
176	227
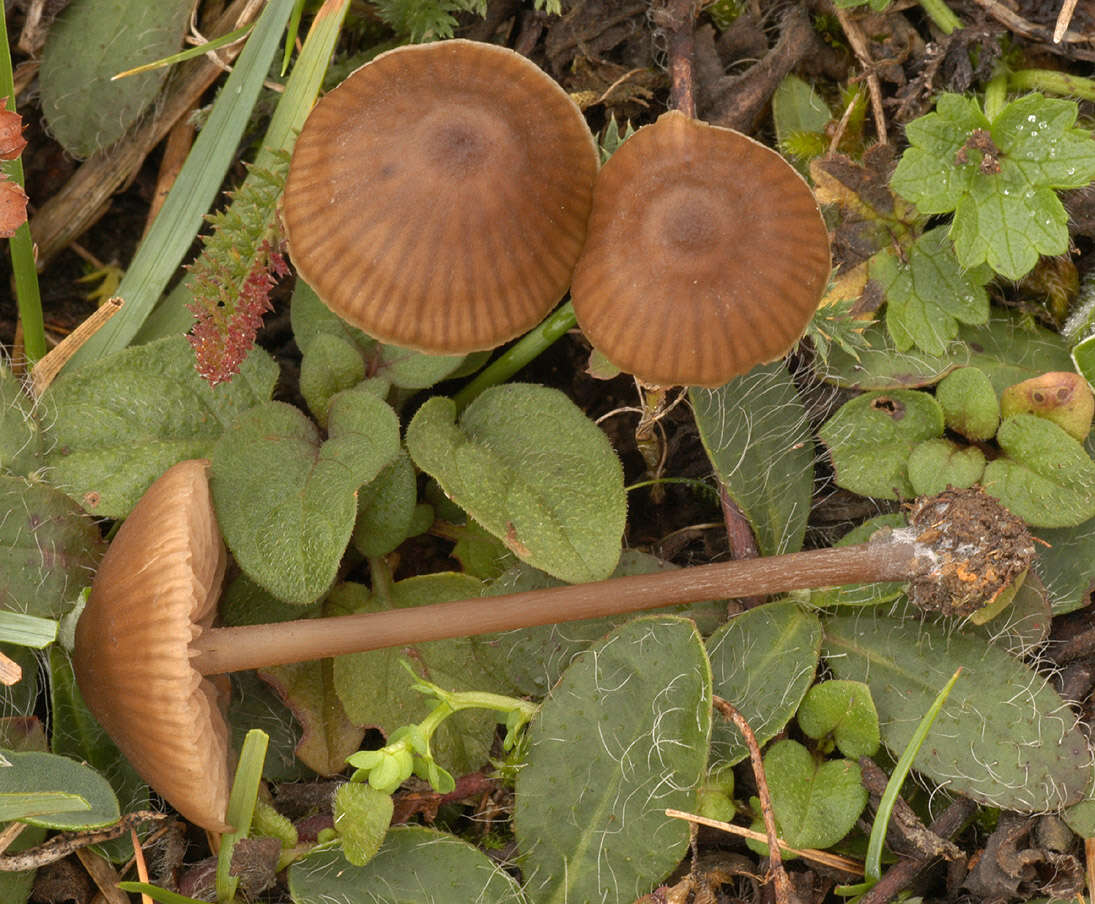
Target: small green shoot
873	867
162	895
241	808
27	630
408	747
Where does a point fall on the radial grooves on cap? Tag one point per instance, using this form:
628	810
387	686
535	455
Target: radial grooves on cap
438	198
706	255
161	574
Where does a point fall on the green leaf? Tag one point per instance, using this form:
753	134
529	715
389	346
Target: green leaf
929	294
119	423
241	808
21	436
531	660
1046	476
763	661
362	817
329	364
815	804
1004	737
969	403
845	710
757	435
285	499
376	690
49	549
481	554
998	178
414	866
936	464
1006	350
622	737
92	41
927	173
27	630
533	470
870	439
1066	565
386	508
46	773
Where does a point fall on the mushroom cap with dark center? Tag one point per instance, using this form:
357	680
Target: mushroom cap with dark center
438	198
706	255
155	591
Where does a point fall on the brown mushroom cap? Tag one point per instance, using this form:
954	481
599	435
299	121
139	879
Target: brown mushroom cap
155	591
706	255
438	197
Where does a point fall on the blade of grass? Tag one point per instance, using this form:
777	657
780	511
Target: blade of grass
241	809
872	869
157	894
172	233
293	108
183	55
27	630
21	246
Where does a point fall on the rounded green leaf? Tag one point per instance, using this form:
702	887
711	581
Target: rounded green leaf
117	424
286	501
871	436
936	464
328	365
1046	476
762	662
845	710
88	43
45	777
622	737
969	403
1004	737
49	548
413	866
815	804
385	508
534	471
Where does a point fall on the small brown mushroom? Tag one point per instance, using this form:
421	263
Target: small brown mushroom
706	255
438	198
143	642
156	590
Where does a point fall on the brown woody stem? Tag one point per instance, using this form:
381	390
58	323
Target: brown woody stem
219	650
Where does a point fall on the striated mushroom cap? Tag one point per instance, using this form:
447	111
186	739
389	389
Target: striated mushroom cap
706	255
438	197
155	591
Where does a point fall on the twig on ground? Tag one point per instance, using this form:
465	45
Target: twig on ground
874	87
60	846
784	893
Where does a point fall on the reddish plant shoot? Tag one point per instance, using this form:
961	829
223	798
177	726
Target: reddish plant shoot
225	331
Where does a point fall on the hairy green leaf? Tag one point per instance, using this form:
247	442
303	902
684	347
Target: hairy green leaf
58	778
533	470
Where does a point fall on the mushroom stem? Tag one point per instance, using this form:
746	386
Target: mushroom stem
219	650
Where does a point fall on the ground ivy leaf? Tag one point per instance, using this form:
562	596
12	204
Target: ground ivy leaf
815	804
48	548
119	423
376	690
362	816
415	865
385	508
927	296
286	501
762	662
870	438
757	435
1046	477
534	471
622	736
